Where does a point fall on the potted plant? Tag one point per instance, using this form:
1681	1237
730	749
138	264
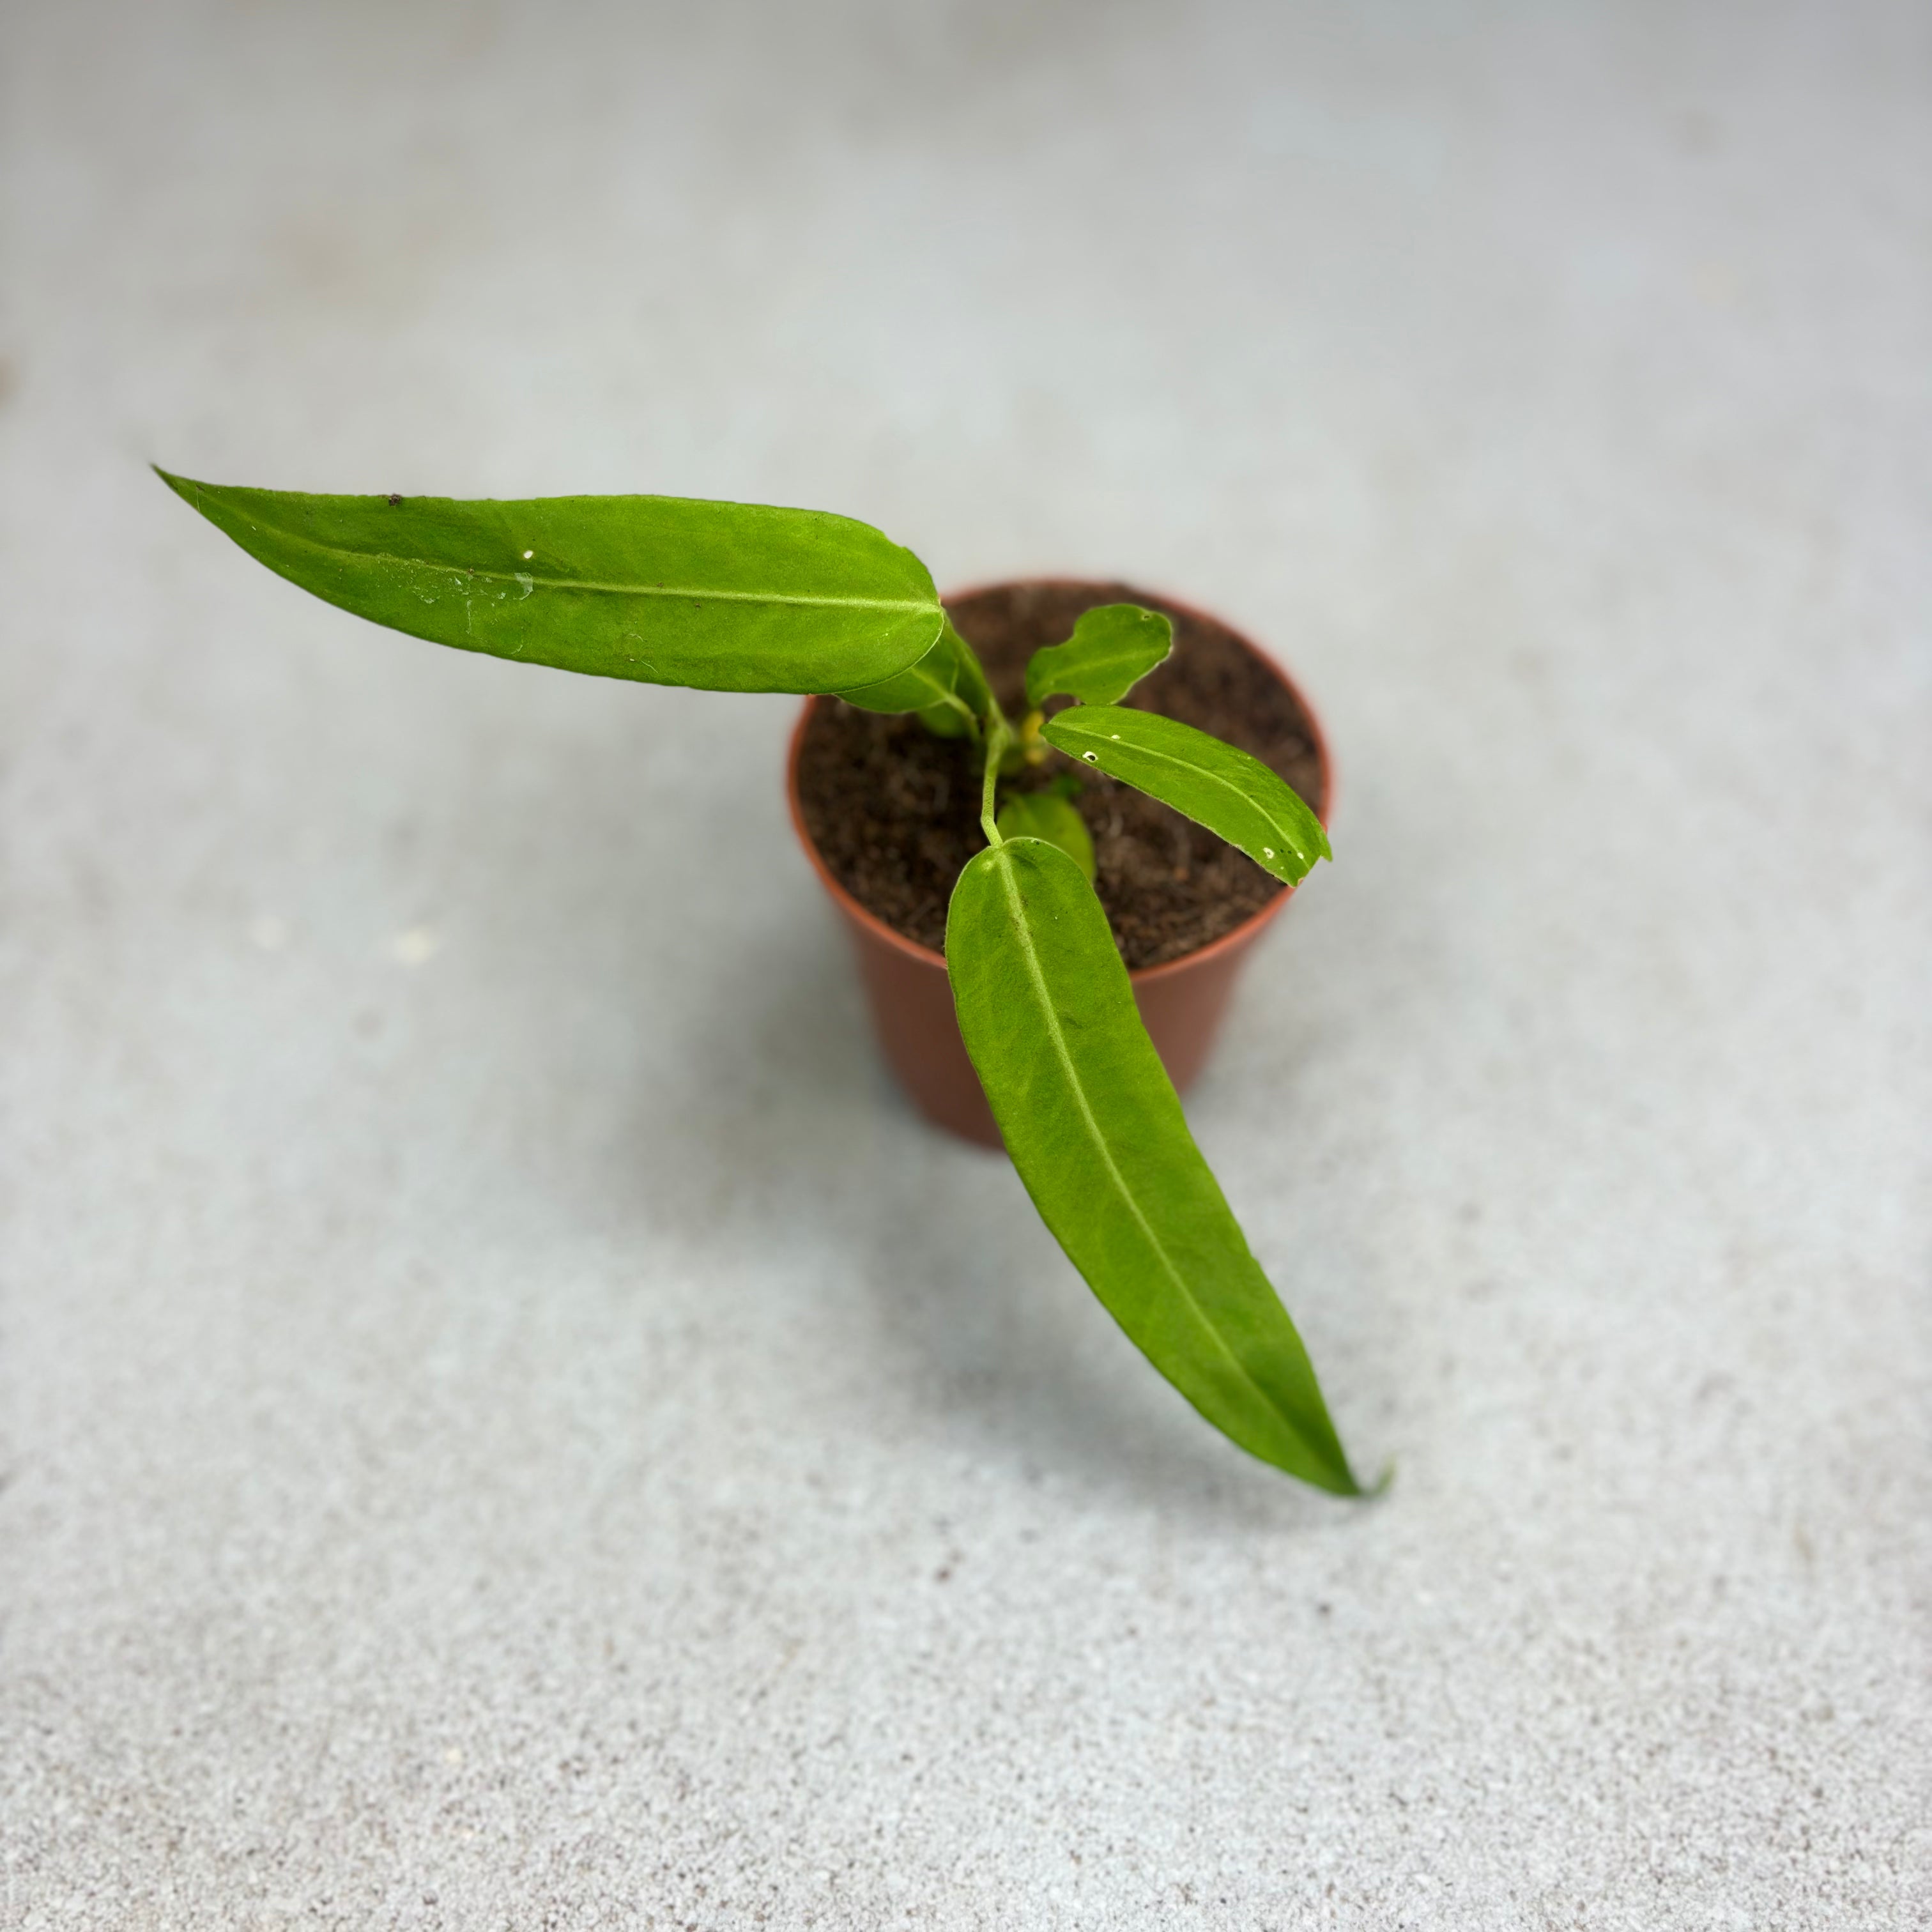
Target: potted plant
888	816
736	597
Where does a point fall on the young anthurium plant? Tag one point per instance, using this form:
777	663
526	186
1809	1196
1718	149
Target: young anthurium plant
738	597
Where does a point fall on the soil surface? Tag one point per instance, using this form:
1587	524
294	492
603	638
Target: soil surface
895	811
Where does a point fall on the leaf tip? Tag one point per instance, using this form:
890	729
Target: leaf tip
1338	1478
185	487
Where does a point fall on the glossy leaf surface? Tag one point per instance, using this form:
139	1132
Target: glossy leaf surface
1111	649
1097	1132
947	687
1046	815
1224	789
665	589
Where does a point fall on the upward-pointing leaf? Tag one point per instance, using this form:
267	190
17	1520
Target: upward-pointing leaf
1111	649
1225	789
1091	1121
665	589
1048	815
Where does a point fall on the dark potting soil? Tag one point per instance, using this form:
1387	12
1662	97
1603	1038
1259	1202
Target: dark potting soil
895	811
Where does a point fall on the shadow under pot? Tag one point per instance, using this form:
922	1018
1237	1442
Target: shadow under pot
889	814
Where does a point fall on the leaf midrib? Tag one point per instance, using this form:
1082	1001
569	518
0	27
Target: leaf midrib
534	578
1017	906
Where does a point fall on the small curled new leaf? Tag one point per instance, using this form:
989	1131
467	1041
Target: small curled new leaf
1230	792
664	589
1049	815
1111	649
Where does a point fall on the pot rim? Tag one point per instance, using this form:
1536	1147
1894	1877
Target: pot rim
1236	937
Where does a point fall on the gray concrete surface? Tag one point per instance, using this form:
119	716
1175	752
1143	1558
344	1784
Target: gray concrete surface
507	1421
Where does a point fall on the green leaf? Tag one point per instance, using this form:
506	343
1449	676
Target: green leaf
1048	815
947	687
1217	786
1097	1134
1111	649
665	589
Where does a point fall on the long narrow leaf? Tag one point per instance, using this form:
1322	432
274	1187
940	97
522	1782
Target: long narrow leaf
665	590
1225	789
1095	1130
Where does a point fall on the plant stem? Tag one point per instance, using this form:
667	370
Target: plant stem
971	717
999	735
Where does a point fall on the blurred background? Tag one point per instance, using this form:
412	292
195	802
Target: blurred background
505	1417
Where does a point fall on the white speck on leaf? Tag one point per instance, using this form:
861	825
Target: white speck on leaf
528	554
1092	757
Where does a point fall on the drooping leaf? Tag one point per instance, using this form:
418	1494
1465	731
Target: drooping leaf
1093	1126
1224	789
1111	649
1049	815
665	589
947	687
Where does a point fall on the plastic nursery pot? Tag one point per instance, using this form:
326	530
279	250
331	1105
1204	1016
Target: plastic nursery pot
1182	1001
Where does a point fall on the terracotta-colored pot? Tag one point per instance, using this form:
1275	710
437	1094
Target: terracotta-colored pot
1181	1002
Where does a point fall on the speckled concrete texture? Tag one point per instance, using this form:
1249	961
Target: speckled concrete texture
505	1419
